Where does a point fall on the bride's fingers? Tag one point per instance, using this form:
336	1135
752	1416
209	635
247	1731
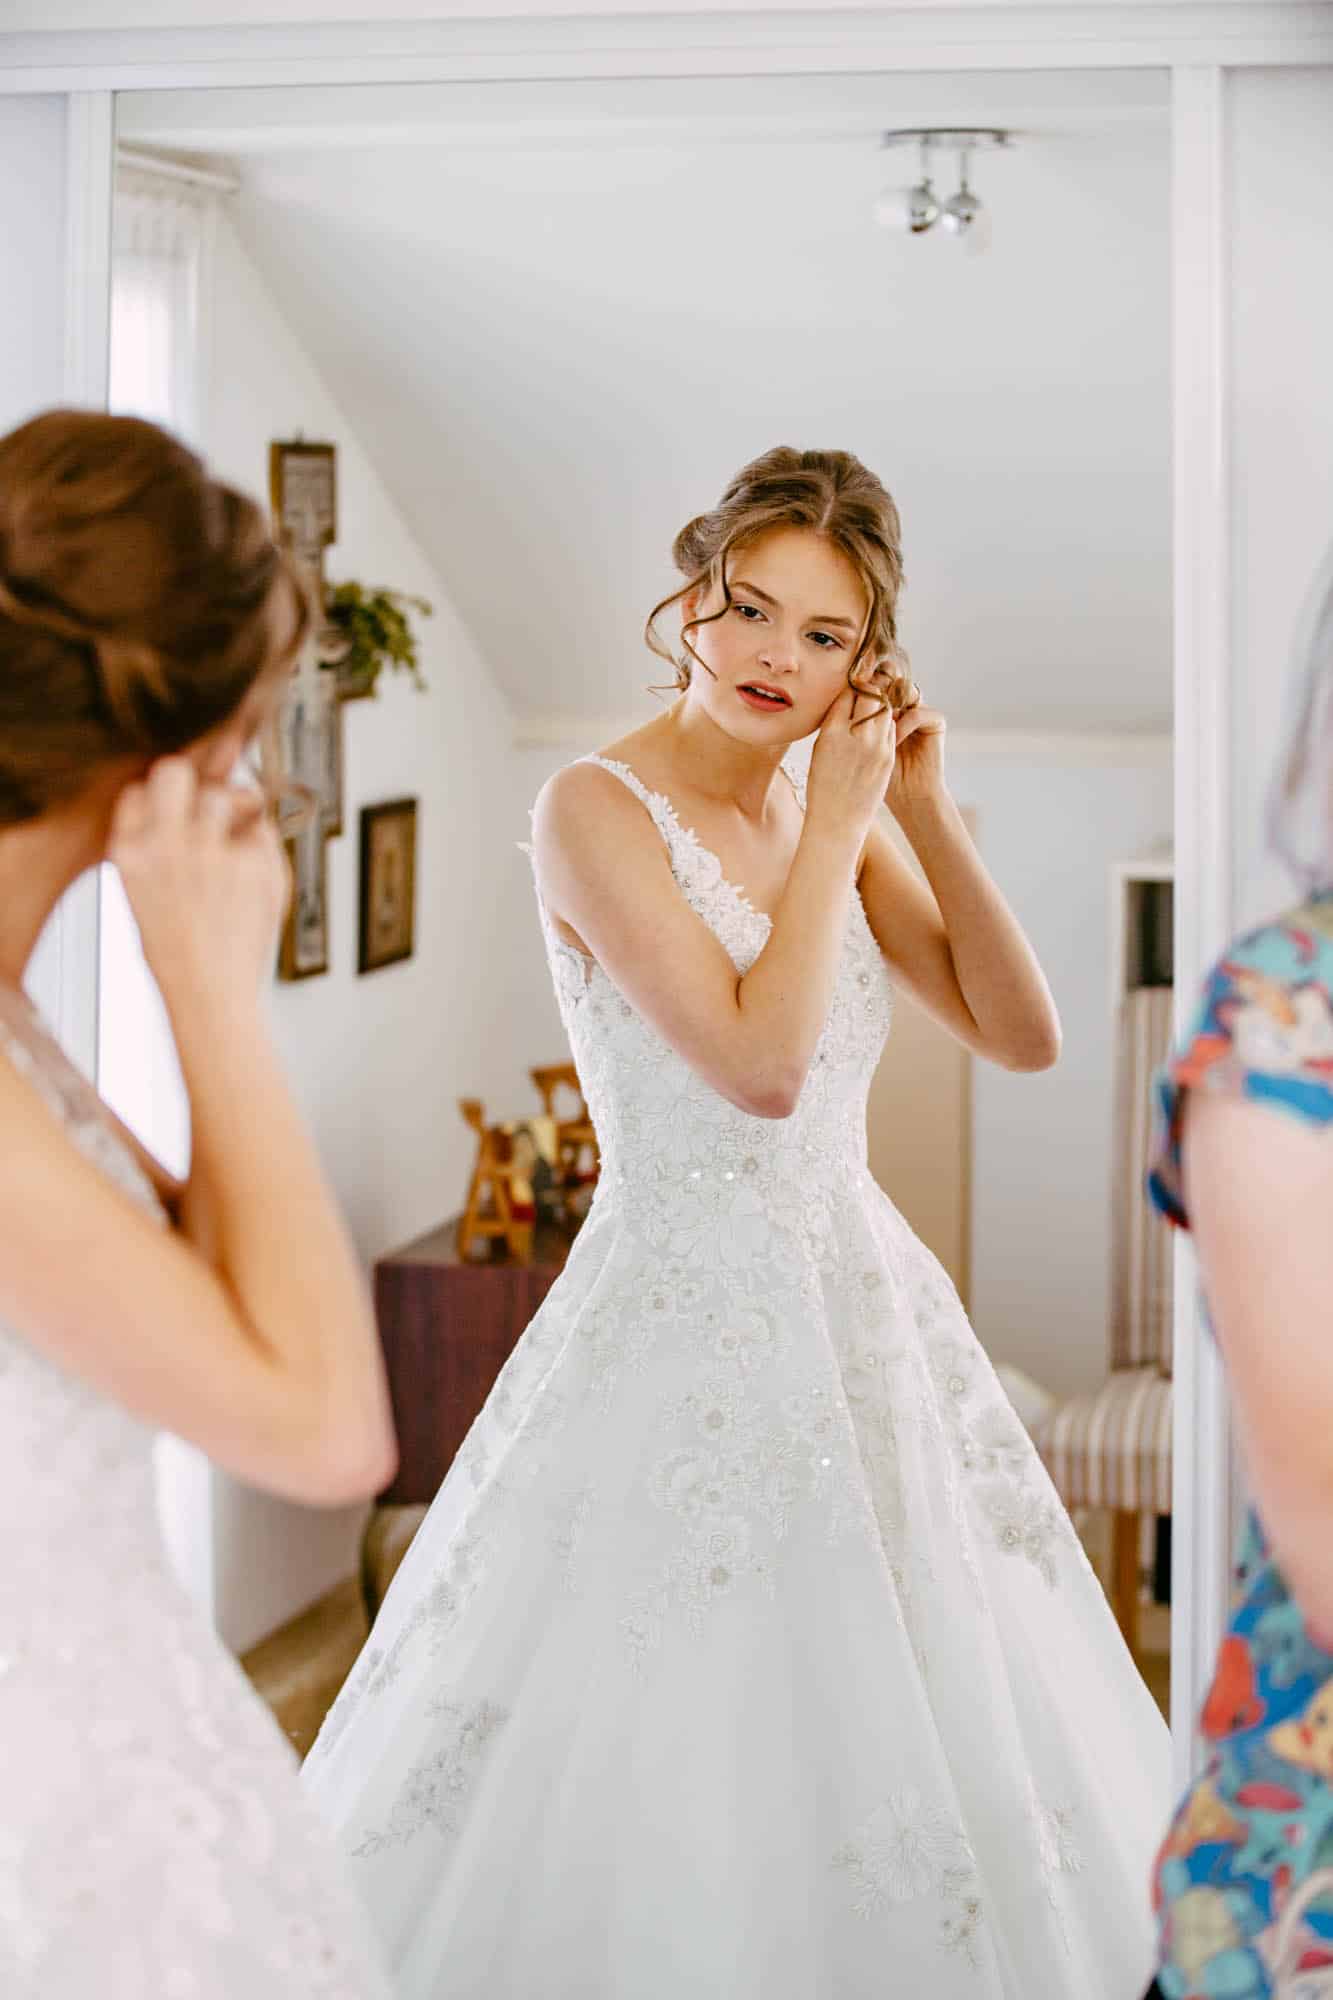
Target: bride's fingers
920	722
843	707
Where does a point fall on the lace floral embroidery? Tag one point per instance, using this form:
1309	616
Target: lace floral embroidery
960	1929
1060	1854
907	1849
438	1786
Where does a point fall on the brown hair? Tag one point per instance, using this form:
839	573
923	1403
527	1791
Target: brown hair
136	601
831	493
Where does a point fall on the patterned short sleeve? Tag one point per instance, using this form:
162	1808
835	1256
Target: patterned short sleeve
1263	1031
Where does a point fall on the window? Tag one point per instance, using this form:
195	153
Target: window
161	248
161	238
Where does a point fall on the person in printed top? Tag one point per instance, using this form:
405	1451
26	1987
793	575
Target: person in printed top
1243	1884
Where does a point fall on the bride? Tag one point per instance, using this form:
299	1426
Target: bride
746	1652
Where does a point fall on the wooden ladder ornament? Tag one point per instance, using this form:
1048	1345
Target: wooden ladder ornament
578	1157
499	1198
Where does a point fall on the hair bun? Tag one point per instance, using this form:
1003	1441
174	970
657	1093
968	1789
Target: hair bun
136	601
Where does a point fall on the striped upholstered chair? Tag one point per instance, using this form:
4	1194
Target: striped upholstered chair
1112	1447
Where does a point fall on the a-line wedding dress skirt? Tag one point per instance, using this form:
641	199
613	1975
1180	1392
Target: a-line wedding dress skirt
746	1652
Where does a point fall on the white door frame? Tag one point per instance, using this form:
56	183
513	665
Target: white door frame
1198	44
1205	908
73	937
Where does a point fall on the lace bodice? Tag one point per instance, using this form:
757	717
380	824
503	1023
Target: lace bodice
657	1119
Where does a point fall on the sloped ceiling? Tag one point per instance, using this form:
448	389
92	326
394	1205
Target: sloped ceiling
561	315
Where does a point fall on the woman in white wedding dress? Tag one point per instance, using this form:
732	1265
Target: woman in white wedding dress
154	1842
746	1652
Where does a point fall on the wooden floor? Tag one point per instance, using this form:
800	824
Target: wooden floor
299	1669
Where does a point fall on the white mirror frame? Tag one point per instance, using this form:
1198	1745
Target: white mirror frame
1196	44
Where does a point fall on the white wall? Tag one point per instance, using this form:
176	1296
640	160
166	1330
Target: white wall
1281	419
377	1061
1041	1204
32	255
1050	831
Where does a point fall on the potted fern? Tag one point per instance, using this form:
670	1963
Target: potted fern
371	630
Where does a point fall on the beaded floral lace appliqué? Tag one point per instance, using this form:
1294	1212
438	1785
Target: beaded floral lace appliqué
909	1850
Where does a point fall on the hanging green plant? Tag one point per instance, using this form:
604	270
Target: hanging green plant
377	632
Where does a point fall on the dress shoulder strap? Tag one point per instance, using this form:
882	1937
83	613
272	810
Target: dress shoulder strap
659	807
797	783
45	1067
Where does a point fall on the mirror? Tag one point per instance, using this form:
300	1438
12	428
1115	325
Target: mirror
542	326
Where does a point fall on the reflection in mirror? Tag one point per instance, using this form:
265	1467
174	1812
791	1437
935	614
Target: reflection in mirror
779	1549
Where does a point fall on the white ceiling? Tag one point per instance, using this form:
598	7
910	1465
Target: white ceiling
560	315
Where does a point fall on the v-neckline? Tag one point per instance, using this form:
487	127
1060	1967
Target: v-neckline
686	832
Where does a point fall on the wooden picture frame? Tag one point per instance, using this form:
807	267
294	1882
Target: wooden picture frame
387	923
304	949
303	493
303	496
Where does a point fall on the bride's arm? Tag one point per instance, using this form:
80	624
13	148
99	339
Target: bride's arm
603	873
956	946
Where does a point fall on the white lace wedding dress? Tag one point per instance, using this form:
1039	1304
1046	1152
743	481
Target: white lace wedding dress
746	1652
154	1842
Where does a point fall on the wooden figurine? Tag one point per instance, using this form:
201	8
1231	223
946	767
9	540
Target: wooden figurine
500	1201
578	1159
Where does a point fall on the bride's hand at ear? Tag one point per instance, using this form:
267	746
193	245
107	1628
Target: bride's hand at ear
852	762
918	765
206	878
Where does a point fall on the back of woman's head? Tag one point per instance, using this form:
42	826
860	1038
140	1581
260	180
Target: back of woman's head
140	600
829	492
1301	801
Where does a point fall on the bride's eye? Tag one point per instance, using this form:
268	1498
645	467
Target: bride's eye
826	641
744	611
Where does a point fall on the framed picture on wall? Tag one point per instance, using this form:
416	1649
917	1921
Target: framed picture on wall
388	883
304	950
303	490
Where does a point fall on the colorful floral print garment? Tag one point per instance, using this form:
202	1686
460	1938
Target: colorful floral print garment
1244	1880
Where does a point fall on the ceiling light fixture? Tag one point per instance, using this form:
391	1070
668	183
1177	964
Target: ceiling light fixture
917	208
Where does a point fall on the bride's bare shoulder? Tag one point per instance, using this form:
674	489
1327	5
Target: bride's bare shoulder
583	805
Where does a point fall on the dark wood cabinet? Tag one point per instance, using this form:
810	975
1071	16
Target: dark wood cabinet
447	1329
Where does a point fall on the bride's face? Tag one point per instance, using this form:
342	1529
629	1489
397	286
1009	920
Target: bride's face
779	656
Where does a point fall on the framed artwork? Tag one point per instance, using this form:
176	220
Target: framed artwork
304	950
388	883
303	493
310	741
303	489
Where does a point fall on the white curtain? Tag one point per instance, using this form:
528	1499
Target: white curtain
161	247
160	237
162	234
